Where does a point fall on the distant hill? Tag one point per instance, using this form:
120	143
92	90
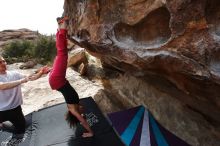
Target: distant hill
7	36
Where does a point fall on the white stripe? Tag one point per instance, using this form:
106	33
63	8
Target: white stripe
145	134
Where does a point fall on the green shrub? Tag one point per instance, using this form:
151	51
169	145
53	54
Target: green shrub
42	49
18	48
45	48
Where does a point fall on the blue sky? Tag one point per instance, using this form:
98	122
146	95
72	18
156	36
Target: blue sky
36	15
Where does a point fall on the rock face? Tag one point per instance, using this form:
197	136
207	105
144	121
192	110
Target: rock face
8	36
164	54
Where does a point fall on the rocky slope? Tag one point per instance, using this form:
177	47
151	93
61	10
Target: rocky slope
38	94
7	36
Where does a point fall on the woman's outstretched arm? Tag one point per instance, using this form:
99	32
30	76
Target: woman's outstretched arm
83	121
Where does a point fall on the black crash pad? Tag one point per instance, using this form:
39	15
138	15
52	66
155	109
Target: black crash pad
47	127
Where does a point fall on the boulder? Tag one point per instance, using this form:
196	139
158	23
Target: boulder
163	54
78	60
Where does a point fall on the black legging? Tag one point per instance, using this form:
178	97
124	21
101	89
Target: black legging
16	117
69	93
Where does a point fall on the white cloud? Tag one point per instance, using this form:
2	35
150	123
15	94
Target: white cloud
32	14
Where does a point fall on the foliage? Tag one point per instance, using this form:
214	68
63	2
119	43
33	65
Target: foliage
42	49
18	49
45	48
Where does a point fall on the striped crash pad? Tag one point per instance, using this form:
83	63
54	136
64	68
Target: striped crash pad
137	127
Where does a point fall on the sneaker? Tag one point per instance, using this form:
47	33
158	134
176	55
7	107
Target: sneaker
7	126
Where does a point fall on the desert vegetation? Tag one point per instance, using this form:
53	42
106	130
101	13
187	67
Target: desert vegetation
41	49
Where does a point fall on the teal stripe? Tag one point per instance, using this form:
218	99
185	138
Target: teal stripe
161	141
129	132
